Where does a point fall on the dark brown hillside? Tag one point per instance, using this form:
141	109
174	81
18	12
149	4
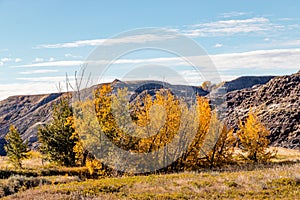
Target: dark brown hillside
25	112
278	103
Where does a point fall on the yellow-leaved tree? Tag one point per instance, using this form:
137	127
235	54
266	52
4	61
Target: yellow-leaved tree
253	139
191	158
162	123
219	142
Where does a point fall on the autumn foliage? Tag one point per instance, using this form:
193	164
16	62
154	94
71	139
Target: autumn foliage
188	136
253	139
154	123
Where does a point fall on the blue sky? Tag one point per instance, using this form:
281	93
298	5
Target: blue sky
41	41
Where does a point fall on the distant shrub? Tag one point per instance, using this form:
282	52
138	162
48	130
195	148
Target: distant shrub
18	183
284	182
5	174
231	184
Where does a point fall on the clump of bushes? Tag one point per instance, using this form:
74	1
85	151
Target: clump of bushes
65	140
18	183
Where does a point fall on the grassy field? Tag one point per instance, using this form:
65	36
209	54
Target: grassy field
278	180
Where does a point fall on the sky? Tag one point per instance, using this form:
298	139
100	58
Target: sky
42	41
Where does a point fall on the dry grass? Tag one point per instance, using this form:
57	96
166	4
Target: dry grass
277	182
34	161
18	183
284	154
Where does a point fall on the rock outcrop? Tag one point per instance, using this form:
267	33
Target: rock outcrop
278	106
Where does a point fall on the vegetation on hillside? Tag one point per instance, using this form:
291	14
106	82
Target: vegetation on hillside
151	124
163	123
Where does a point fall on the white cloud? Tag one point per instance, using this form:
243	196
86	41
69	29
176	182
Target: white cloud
233	14
69	55
51	59
194	78
218	45
38	60
288	19
65	63
229	27
261	59
48	79
6	59
143	38
27	88
42	85
226	64
17	60
41	71
291	43
72	63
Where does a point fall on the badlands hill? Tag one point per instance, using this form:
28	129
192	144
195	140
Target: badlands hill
276	97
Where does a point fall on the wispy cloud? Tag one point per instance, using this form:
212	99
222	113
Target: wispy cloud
42	85
17	60
226	27
232	14
64	63
48	79
276	59
4	60
69	55
261	59
230	27
36	60
8	59
218	45
252	62
107	42
291	43
73	63
40	71
26	89
288	19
